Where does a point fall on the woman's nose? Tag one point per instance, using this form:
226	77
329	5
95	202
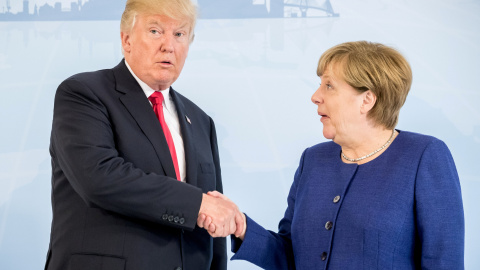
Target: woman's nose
316	97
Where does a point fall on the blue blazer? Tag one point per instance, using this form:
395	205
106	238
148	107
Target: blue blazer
402	210
115	198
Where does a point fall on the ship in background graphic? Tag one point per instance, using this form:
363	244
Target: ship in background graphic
208	9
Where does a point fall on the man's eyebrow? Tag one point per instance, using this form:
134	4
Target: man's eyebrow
185	25
153	21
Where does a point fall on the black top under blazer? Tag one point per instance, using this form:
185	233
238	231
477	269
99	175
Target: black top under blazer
115	198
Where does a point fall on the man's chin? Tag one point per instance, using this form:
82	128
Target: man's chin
162	82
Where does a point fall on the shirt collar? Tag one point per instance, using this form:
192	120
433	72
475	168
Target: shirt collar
148	90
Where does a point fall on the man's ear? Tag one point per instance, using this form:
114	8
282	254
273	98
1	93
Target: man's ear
369	100
125	37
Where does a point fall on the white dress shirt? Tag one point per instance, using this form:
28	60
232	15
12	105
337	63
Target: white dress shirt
171	118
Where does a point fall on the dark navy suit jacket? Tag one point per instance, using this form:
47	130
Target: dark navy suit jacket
403	210
116	202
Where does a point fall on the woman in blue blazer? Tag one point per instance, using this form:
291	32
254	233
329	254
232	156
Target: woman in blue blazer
374	197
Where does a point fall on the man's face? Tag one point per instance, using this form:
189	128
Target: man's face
156	48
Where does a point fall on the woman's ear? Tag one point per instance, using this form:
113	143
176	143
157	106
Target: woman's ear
369	99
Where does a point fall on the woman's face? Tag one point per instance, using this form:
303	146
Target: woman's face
339	105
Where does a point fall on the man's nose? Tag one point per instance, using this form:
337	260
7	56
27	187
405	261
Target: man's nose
167	43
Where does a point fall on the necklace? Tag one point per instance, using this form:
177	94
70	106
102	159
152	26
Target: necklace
371	154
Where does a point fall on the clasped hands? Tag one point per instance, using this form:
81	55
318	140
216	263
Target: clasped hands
220	216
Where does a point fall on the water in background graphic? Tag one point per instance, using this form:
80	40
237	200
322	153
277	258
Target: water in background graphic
255	78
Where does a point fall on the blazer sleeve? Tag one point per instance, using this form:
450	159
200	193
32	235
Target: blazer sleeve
83	145
439	209
267	249
219	261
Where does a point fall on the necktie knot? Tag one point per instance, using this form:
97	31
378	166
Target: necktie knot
156	98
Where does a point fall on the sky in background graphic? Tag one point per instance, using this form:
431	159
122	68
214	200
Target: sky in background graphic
255	78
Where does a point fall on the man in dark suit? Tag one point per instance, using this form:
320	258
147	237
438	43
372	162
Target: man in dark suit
132	158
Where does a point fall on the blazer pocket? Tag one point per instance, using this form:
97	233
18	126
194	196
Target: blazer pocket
370	249
95	262
207	168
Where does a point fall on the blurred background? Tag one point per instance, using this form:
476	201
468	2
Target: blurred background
252	67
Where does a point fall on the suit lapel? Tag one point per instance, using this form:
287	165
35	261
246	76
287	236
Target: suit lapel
137	104
187	136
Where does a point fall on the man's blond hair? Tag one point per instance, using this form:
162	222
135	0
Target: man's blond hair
175	9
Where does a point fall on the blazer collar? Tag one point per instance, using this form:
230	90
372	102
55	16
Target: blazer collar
187	136
137	104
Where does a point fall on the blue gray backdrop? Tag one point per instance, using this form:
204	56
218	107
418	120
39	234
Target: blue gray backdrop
252	67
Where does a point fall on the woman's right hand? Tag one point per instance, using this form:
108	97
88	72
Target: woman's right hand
209	224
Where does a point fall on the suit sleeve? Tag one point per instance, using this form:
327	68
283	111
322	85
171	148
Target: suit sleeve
219	261
83	145
267	249
439	209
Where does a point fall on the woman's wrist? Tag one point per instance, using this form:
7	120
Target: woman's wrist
242	235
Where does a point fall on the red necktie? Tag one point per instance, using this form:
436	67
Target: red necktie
157	99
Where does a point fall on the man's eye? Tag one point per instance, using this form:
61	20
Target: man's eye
153	31
179	34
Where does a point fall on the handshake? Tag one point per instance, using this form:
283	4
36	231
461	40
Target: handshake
220	216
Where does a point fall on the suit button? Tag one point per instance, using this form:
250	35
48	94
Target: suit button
328	225
176	219
336	199
182	220
165	217
178	268
324	256
170	218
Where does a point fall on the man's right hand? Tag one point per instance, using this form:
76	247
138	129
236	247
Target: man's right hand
220	216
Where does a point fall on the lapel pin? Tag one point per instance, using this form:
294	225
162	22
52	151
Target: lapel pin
188	120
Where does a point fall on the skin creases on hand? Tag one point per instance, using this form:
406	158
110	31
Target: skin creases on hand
224	219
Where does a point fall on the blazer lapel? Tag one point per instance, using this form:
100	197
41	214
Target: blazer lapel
137	104
187	136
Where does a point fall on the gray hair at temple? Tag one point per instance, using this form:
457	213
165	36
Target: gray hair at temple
175	9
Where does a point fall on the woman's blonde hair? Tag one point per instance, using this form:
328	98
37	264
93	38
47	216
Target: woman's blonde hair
175	9
375	67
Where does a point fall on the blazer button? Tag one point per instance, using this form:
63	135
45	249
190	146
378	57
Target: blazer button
336	199
328	225
182	220
170	218
165	216
324	256
176	219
